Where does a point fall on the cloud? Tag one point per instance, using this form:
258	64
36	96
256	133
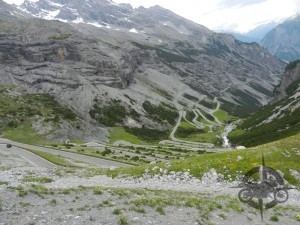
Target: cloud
230	3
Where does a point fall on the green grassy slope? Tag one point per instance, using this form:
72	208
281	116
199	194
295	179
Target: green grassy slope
18	112
281	155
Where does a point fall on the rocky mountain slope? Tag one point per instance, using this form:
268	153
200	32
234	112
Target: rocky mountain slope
284	40
131	63
9	12
278	120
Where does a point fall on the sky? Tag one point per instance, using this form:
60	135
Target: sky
231	15
227	15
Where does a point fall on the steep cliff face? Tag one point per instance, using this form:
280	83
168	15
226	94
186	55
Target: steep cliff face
284	40
289	82
52	57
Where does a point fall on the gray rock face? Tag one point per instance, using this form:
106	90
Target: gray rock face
290	76
9	12
284	40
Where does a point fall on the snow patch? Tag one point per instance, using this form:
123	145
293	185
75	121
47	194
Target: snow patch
78	20
56	4
61	20
95	24
111	16
50	15
112	3
133	30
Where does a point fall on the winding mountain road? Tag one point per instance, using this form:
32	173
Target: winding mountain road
33	159
20	149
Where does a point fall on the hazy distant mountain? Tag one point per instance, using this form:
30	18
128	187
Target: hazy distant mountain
284	40
255	35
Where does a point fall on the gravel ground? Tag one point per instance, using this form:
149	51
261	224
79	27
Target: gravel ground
70	197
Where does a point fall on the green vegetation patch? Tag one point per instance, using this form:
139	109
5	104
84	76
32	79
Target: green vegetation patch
19	111
112	114
147	135
293	87
261	89
42	180
185	130
190	97
275	130
119	133
292	65
224	116
160	113
208	104
190	115
57	160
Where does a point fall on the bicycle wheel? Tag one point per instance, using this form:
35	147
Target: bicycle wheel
281	195
245	195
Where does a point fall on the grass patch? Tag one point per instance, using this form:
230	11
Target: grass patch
185	130
160	210
21	191
97	191
24	133
224	116
57	160
190	115
18	112
123	221
42	180
117	212
119	133
274	218
3	183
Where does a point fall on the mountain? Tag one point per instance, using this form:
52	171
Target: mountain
284	40
243	37
115	65
280	119
256	34
9	12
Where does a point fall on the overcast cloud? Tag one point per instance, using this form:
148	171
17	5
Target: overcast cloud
237	15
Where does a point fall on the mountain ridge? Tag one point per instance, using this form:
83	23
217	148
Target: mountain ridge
160	59
283	40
